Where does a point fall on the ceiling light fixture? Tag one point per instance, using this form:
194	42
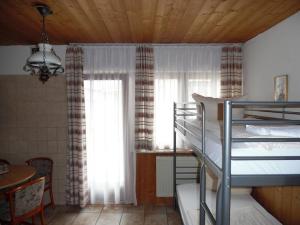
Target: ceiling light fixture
43	62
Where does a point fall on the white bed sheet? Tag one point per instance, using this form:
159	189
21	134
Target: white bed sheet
214	151
288	131
189	198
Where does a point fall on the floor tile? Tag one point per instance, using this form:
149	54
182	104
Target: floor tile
92	208
86	218
64	218
133	209
109	218
113	209
156	219
132	219
174	218
152	209
112	215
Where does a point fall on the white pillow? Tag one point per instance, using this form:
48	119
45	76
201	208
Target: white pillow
211	106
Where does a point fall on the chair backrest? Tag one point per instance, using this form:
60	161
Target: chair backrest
3	161
26	198
43	166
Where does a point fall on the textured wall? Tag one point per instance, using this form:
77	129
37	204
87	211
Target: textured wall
33	123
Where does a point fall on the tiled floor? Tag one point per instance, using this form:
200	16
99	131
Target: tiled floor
112	215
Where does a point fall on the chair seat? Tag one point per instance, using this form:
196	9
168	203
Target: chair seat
4	211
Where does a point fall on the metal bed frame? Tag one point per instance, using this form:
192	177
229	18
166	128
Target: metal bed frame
227	180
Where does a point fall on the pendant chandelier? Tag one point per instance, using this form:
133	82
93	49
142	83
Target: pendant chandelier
43	62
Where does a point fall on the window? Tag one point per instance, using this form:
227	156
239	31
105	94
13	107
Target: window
204	86
105	142
175	87
180	71
165	93
109	89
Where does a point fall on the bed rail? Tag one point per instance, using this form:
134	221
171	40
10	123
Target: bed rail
182	112
228	140
286	113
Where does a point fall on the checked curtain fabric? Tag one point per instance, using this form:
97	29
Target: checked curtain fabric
231	72
77	186
144	98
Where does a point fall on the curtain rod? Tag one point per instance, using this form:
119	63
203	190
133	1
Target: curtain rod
155	44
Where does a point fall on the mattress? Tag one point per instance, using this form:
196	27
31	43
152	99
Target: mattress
244	209
247	167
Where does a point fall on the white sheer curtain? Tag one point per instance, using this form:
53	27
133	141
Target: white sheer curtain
109	94
179	72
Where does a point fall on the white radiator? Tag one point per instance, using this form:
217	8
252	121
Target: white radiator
164	173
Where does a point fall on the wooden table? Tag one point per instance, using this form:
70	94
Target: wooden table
17	174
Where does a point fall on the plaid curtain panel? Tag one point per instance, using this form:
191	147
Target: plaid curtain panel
144	98
231	72
77	186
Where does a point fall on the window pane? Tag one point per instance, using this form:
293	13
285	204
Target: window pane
166	93
174	87
200	86
203	84
104	123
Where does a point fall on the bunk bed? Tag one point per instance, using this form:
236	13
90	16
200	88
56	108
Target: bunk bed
252	151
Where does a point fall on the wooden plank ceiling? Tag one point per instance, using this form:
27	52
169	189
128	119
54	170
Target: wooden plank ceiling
142	21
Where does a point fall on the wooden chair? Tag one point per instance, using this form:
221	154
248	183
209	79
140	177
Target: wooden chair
24	202
44	168
3	161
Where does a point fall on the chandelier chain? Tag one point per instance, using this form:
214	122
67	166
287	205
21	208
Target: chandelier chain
44	40
44	35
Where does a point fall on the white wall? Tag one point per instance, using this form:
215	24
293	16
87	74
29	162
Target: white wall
13	58
274	52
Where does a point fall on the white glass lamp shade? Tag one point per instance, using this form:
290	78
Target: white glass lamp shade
44	63
51	59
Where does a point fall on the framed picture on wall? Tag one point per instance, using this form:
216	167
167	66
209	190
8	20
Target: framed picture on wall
281	88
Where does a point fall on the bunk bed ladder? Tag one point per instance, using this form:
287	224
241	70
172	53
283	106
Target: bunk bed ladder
176	165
